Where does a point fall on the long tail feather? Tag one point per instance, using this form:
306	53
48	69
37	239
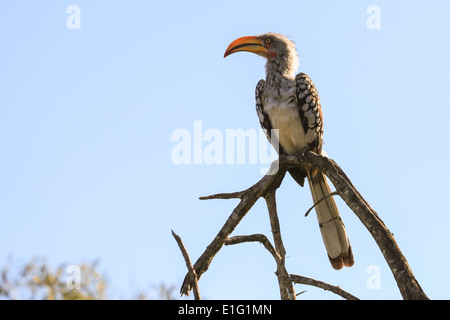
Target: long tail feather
330	223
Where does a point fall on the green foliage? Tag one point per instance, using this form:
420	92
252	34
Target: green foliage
37	280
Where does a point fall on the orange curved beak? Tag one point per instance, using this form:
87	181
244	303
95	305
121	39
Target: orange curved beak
250	44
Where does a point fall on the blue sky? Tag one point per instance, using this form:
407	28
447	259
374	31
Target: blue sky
87	115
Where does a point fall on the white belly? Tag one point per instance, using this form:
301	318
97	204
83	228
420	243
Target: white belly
286	119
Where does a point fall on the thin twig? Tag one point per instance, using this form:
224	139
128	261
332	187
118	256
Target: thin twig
233	195
255	238
188	265
320	284
287	291
335	193
302	292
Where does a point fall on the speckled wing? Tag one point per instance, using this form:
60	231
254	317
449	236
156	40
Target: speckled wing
310	111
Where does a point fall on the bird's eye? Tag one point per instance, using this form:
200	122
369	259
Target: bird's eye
268	40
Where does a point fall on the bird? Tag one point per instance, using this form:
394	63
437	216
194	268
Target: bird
290	104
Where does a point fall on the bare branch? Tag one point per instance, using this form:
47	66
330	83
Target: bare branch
275	223
188	265
320	284
255	238
248	199
408	285
286	288
233	195
287	291
320	200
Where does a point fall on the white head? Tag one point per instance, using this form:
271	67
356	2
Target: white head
278	49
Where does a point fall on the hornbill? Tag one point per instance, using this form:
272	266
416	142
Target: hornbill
291	105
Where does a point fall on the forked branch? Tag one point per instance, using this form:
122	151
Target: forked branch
408	285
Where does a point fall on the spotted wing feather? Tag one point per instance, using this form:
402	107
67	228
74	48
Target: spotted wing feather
310	111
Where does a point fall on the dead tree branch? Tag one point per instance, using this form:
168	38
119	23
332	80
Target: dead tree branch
406	282
408	285
191	269
287	291
335	193
247	200
255	238
320	284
